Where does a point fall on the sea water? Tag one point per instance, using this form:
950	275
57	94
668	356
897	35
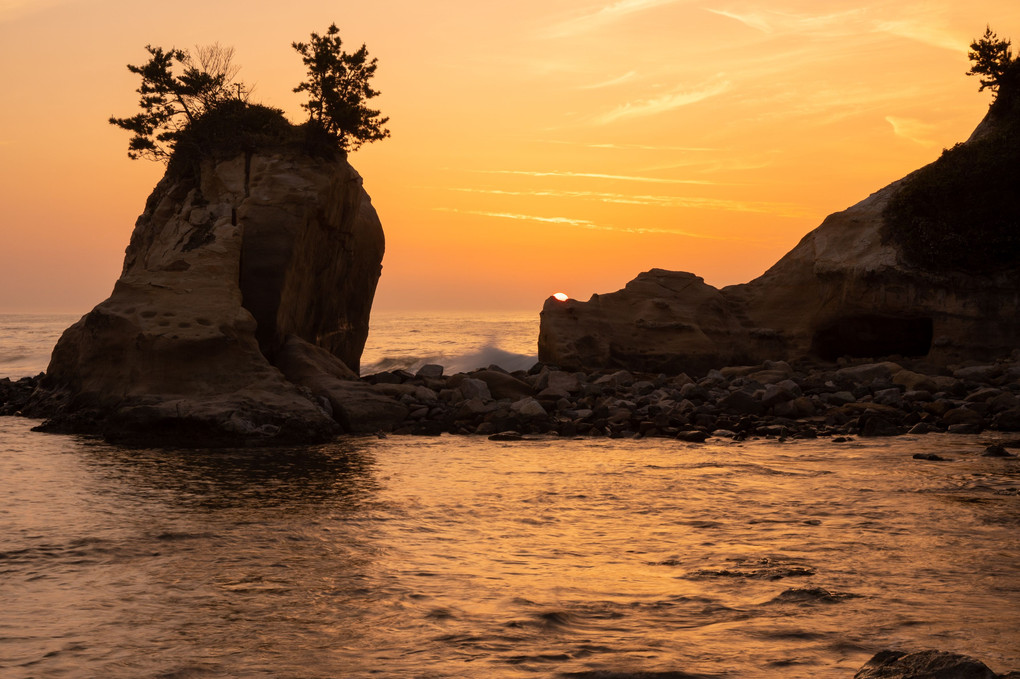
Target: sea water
397	340
463	557
26	341
458	341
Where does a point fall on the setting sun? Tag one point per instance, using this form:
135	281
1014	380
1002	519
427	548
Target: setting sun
561	296
671	134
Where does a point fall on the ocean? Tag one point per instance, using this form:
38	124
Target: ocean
456	556
459	341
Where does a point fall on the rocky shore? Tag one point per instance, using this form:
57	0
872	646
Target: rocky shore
772	399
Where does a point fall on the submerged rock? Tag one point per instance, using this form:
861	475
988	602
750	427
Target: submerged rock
924	665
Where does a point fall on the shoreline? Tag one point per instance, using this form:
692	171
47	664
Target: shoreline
774	399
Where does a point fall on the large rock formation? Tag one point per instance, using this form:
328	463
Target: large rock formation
844	290
260	261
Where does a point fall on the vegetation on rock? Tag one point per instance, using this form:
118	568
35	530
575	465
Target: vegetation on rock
177	90
338	87
192	107
996	67
961	212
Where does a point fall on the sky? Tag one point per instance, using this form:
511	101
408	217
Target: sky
537	147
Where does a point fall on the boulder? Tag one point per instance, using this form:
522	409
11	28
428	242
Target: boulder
741	403
912	381
528	407
361	408
430	371
243	269
842	291
924	665
501	385
303	363
475	389
873	424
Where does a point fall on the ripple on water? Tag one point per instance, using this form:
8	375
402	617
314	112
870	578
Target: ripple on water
408	557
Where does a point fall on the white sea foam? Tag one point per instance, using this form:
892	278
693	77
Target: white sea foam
455	340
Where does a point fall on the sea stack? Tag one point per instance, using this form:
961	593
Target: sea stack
246	289
927	267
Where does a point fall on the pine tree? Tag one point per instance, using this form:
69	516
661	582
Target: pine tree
338	89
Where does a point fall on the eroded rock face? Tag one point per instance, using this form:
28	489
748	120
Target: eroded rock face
840	292
219	274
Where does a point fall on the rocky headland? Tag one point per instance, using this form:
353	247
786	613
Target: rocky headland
244	298
243	307
927	268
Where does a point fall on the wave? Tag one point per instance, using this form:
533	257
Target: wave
483	358
23	364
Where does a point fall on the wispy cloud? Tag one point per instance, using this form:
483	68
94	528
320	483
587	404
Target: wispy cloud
595	175
582	223
15	9
777	209
705	166
751	19
826	106
656	105
567	221
928	34
603	16
610	83
915	130
833	23
916	23
630	147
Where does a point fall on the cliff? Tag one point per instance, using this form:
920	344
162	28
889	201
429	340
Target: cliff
881	278
243	301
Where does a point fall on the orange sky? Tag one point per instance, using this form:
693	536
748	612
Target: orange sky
537	146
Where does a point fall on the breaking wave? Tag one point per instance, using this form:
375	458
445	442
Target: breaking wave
482	358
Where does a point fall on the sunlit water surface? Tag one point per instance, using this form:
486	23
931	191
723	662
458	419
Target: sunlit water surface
461	557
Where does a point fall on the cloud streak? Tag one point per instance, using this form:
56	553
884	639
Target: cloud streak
918	23
584	224
632	147
657	105
605	15
15	9
626	77
776	209
931	35
594	175
837	23
911	129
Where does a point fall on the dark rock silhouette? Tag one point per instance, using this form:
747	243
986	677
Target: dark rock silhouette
926	665
264	262
844	290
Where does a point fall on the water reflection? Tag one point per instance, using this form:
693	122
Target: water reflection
454	557
337	476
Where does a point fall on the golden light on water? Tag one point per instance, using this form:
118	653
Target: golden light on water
561	296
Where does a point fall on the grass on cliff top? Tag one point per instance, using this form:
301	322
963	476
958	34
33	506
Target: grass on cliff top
962	212
234	127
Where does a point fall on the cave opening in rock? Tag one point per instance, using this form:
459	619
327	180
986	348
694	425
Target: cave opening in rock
870	335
